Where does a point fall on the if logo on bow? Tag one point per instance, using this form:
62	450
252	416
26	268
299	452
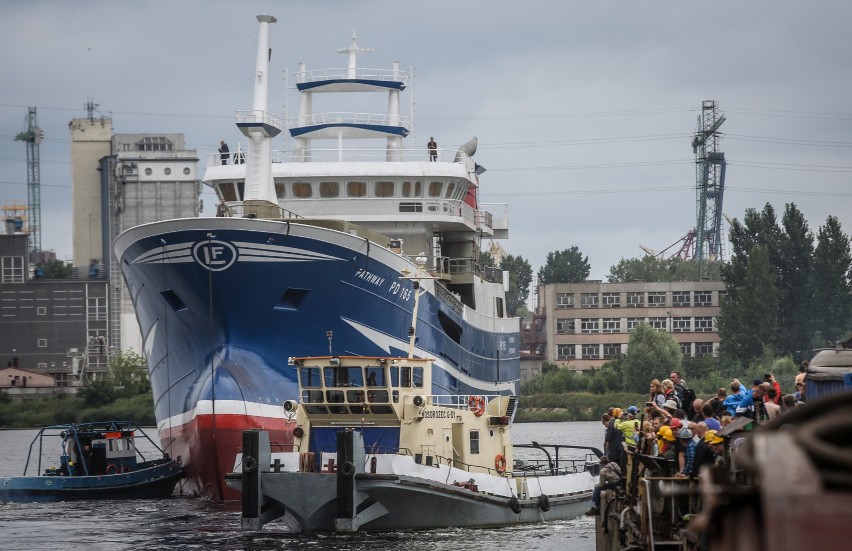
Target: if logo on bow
215	255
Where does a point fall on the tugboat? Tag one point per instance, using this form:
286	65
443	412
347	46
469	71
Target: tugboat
375	450
97	461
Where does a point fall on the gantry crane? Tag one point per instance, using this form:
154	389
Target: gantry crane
709	184
33	136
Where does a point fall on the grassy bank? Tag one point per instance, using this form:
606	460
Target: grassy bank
68	409
574	406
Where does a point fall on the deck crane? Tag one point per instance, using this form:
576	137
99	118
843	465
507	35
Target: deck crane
33	136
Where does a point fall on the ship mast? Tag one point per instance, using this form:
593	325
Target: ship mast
260	126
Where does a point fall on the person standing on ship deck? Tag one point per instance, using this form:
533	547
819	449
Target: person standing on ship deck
223	152
432	146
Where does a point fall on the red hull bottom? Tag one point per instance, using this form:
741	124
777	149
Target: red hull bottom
207	446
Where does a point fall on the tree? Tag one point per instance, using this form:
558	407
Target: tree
130	373
520	278
649	353
55	269
655	268
795	315
566	266
748	325
832	283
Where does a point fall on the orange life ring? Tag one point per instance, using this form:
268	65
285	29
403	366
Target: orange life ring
112	468
500	463
476	404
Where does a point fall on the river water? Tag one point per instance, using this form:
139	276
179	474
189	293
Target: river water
185	523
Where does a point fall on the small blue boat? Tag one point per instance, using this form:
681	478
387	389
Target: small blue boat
96	461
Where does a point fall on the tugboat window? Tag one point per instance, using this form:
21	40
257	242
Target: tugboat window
474	442
406	377
310	377
376	376
394	375
418	377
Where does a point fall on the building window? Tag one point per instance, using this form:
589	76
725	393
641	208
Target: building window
633	322
704	325
635	300
329	190
474	442
154	143
589	300
657	323
703	298
302	190
681	298
565	352
565	300
656	299
681	325
356	189
589	325
564	326
686	349
611	351
41	310
42	343
611	325
383	189
703	349
12	269
591	351
611	300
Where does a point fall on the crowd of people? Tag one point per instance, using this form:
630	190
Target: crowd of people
682	428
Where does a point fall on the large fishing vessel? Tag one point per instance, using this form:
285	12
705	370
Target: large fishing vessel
310	258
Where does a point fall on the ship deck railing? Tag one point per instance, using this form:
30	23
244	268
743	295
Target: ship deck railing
338	154
345	73
349	118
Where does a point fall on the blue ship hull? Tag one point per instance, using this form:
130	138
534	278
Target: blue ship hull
222	303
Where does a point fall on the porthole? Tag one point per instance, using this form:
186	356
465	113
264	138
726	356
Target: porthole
167	171
148	172
491	433
186	170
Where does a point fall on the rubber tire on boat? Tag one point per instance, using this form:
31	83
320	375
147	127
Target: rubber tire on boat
249	464
515	505
544	503
347	469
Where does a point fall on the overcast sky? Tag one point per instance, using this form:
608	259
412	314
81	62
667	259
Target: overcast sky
584	110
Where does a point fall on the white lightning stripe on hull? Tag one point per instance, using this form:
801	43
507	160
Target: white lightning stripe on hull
224	407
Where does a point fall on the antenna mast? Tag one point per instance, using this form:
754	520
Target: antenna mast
710	185
33	136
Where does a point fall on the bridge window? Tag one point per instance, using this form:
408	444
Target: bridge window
329	189
383	189
227	191
412	189
435	189
451	191
376	376
310	377
302	190
280	191
356	189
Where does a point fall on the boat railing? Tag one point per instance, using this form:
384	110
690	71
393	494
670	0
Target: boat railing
348	118
338	154
552	463
257	116
346	73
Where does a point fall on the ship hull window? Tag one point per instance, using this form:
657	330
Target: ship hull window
356	189
383	188
302	190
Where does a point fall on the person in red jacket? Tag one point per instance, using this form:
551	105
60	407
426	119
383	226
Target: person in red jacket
769	378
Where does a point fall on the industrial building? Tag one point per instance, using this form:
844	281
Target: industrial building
584	325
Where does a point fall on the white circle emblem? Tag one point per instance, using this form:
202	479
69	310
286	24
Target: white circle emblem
215	255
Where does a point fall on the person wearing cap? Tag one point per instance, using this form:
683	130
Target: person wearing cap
686	457
614	440
665	442
432	146
628	427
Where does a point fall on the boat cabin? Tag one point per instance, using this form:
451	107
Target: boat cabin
384	399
